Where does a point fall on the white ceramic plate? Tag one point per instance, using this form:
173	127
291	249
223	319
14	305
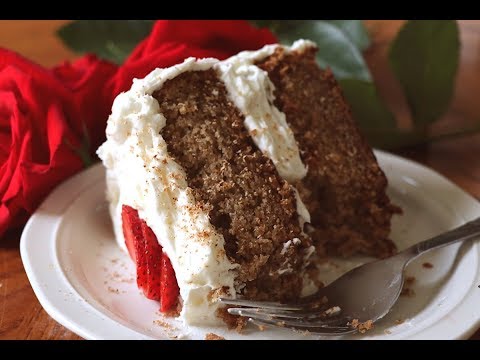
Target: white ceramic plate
87	284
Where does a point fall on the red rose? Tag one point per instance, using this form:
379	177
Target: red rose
172	41
87	78
40	133
46	115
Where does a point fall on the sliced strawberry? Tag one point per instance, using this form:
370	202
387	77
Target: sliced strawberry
170	290
152	255
132	229
155	274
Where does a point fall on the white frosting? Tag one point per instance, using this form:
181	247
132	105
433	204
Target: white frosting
141	173
251	91
302	45
303	213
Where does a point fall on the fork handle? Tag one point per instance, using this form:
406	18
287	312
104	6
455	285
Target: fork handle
463	232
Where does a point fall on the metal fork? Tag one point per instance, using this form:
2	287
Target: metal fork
364	294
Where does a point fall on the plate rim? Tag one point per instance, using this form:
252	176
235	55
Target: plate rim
52	301
83	180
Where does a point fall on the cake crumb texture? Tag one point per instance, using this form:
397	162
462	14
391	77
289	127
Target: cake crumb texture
212	336
344	189
247	201
233	322
362	327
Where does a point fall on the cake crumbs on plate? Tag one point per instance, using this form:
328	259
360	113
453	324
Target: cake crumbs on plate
399	321
113	290
164	325
362	327
409	280
332	311
261	327
408	292
302	332
427	265
170	330
212	336
387	332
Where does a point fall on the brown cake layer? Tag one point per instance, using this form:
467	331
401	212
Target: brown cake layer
248	202
344	189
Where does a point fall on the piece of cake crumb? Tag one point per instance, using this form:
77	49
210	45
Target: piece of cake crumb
409	280
165	325
212	336
362	327
387	332
333	311
427	265
408	292
113	290
261	327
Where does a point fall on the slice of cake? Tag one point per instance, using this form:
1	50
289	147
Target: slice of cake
225	177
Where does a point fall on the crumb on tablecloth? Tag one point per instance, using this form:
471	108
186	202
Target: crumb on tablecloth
427	265
212	336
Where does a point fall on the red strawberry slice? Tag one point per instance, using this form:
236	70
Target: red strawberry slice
155	274
149	277
170	290
132	229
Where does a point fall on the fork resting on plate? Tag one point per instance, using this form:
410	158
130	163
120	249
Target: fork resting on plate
354	301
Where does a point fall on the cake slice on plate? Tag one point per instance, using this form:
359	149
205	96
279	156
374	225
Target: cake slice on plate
226	177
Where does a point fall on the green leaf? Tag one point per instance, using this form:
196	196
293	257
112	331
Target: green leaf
340	43
336	50
110	39
367	107
424	57
355	31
